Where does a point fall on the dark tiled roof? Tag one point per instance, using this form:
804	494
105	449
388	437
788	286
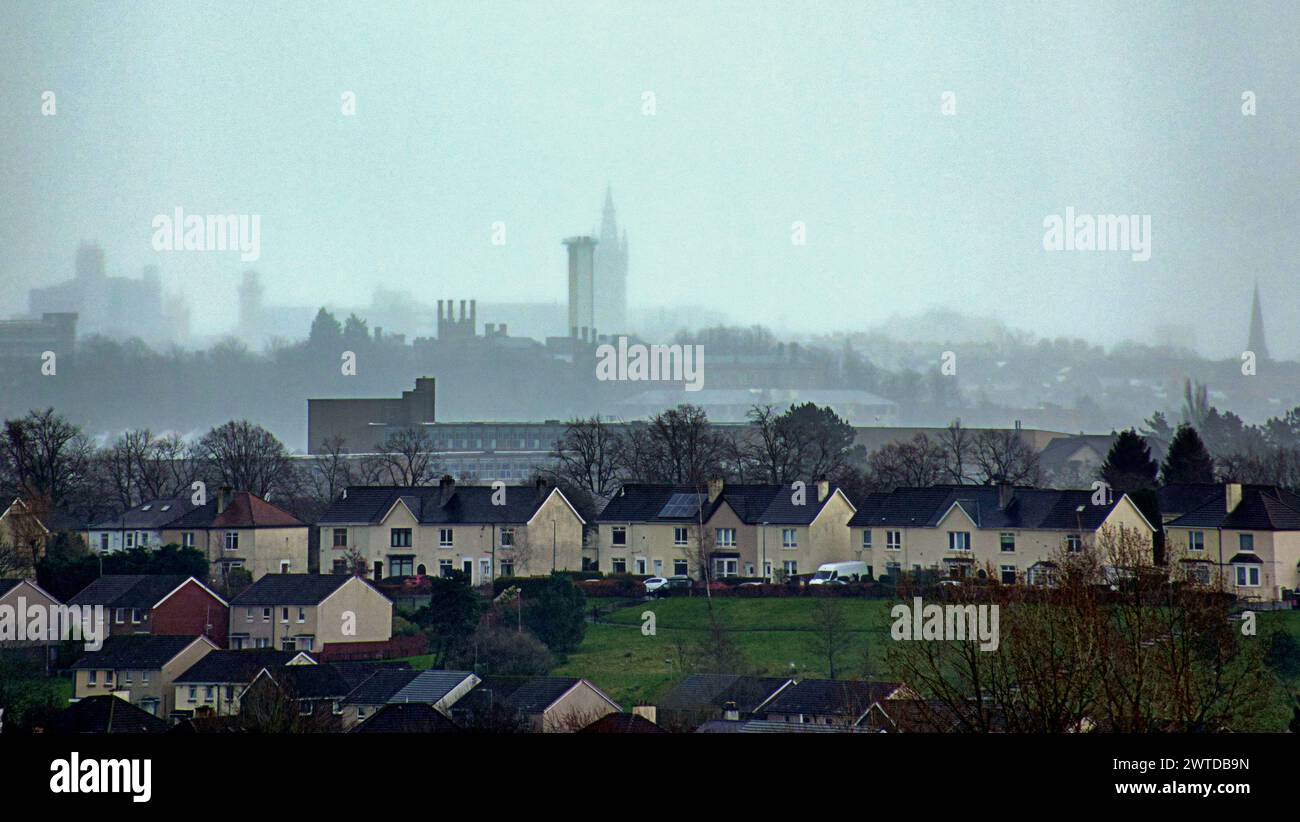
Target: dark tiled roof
713	691
470	504
539	693
762	726
842	697
128	590
1056	453
381	686
1262	508
147	516
313	681
753	504
234	666
7	585
290	589
1182	497
104	714
147	652
622	724
354	672
407	718
1030	508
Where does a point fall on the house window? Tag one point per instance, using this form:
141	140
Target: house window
232	540
640	566
959	540
618	565
230	693
288	644
208	693
248	614
1008	574
1042	575
679	567
187	539
893	540
340	566
136	617
618	535
789	538
399	538
144	538
307	643
285	565
444	567
262	642
1073	543
1201	573
144	677
340	537
194	693
238	643
866	539
302	615
119	615
266	614
401	566
791	567
130	539
92	678
1247	576
1196	540
103	542
507	568
507	537
724	567
484	570
892	570
445	537
726	537
1007	541
284	616
1246	542
680	535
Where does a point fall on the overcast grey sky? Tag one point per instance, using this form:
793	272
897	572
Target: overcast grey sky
766	114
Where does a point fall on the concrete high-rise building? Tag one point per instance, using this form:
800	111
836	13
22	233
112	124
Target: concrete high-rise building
251	298
1256	341
581	291
610	272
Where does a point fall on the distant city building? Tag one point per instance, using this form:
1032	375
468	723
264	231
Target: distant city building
1256	341
29	339
610	273
365	423
582	323
119	307
462	328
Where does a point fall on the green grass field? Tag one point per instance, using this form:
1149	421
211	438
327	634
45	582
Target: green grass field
776	638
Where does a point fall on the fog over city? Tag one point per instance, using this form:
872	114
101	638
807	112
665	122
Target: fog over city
521	114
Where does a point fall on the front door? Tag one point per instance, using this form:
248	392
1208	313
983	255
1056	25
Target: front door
467	566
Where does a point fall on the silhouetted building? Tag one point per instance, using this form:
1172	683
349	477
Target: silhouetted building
365	423
29	339
1257	343
452	328
581	287
610	273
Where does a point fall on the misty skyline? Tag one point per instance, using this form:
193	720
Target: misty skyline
764	116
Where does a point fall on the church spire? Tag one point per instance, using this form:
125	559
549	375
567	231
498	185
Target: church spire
1256	342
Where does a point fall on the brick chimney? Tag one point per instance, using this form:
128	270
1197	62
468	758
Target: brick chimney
446	487
1006	493
223	497
543	488
715	489
1232	495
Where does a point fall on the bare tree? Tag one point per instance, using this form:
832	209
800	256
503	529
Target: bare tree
44	455
915	463
407	457
957	444
588	456
1004	455
247	457
830	630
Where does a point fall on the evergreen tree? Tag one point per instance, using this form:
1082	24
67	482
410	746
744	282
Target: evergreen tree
1188	460
1129	466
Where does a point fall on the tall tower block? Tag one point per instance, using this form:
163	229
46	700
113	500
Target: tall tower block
581	286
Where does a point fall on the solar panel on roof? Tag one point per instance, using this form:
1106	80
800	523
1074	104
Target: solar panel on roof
681	505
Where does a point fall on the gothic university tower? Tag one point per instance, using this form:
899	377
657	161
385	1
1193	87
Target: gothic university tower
610	275
1256	342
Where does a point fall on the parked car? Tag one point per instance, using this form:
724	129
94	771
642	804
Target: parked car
654	584
668	586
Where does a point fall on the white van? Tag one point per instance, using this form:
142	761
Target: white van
840	573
